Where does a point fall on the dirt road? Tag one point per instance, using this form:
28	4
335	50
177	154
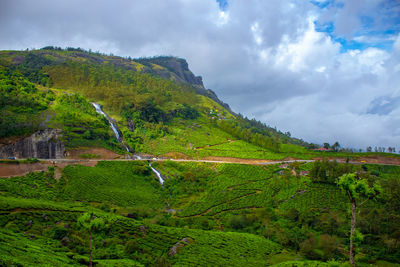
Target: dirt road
19	169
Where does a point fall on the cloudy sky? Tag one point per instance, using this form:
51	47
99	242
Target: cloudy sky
325	70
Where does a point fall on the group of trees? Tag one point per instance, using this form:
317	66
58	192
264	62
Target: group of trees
263	129
335	147
119	87
327	171
251	135
358	192
381	149
359	187
21	104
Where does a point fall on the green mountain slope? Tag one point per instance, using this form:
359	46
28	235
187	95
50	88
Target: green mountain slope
160	107
204	214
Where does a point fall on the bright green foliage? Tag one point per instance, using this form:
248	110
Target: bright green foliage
39	185
32	68
358	188
119	183
358	192
21	104
128	87
262	204
18	249
207	248
244	249
327	171
229	214
237	129
90	222
306	264
156	107
81	124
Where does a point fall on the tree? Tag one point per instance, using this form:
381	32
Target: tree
357	189
327	145
91	223
336	146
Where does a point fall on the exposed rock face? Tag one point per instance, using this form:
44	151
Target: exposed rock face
180	67
44	144
180	71
180	245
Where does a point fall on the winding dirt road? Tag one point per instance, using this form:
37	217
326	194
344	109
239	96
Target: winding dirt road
19	169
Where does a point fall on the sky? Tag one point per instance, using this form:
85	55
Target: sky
324	70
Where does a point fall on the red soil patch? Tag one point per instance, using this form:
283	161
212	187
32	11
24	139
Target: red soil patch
175	155
237	160
101	153
378	160
368	160
11	170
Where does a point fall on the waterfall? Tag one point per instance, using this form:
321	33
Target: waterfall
112	124
119	138
158	174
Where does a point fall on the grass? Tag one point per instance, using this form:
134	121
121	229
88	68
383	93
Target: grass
120	183
206	248
38	185
89	156
243	211
21	250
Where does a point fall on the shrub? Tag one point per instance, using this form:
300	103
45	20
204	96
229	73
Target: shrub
131	246
59	232
321	247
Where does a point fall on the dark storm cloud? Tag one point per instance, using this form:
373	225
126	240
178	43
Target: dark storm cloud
264	58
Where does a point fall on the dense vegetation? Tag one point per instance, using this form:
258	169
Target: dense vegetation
30	214
208	214
21	104
307	214
149	98
205	214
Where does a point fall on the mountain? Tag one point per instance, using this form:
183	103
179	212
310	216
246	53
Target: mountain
132	162
160	107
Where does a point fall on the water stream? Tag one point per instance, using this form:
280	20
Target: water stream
158	174
112	124
117	134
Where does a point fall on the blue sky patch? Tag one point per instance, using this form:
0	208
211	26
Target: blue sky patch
223	4
322	4
376	29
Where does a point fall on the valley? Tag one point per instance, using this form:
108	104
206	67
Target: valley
138	159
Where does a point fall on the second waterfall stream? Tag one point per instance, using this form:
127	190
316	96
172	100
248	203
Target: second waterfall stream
117	134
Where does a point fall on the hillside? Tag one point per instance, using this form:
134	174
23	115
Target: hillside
138	159
205	214
160	106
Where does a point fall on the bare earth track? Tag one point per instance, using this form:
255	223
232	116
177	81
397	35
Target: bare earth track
19	169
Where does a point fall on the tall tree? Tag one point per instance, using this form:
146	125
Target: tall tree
336	146
327	145
358	192
91	223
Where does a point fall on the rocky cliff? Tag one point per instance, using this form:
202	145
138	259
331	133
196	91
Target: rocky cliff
44	144
178	69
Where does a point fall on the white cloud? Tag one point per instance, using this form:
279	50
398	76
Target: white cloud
310	49
265	58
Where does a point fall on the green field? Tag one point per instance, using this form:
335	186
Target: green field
218	214
205	214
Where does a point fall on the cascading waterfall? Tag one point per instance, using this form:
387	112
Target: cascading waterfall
119	138
158	174
112	125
